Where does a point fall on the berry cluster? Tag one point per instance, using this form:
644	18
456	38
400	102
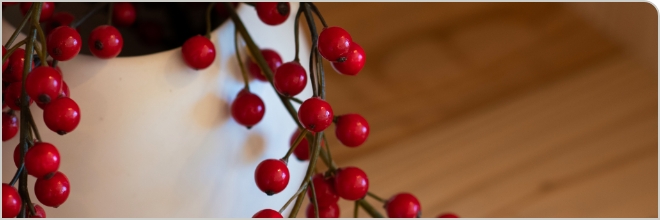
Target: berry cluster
28	76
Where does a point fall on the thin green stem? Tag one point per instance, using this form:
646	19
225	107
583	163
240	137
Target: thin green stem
20	28
296	100
372	195
310	168
296	27
314	53
355	209
292	197
17	174
94	10
34	126
312	75
295	145
370	209
240	62
209	9
331	165
12	49
54	63
315	202
42	40
110	8
40	54
318	14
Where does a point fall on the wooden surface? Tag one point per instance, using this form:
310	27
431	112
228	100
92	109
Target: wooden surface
505	109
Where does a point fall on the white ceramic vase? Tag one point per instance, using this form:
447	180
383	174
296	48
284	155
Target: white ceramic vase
156	138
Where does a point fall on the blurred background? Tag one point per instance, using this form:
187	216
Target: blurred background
505	109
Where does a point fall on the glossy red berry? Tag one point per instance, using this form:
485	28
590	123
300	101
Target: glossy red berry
5	64
302	150
247	109
334	43
14	71
267	213
448	215
351	129
355	60
57	20
13	96
198	52
325	191
123	13
65	90
47	9
290	79
44	84
273	60
271	176
62	115
39	212
105	42
9	125
64	43
315	114
41	159
273	13
330	211
53	189
403	205
351	183
11	201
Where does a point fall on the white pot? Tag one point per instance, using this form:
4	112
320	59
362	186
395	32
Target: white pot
156	138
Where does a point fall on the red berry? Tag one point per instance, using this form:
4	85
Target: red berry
11	201
330	211
47	9
62	115
105	42
65	90
57	20
325	191
44	84
41	159
273	13
123	13
355	60
4	65
351	183
302	150
271	176
53	189
315	114
351	129
273	60
39	212
247	109
403	205
334	43
13	96
64	43
267	213
15	62
9	126
290	79
448	215
198	52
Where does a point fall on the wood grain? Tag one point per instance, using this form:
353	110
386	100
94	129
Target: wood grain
504	109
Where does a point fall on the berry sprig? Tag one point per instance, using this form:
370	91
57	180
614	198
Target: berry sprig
30	77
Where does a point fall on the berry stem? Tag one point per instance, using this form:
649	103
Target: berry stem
312	29
42	39
89	14
310	170
296	100
314	200
254	50
208	19
370	209
40	55
110	8
376	197
318	14
331	164
295	145
17	175
34	125
355	210
18	30
296	27
292	197
240	62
